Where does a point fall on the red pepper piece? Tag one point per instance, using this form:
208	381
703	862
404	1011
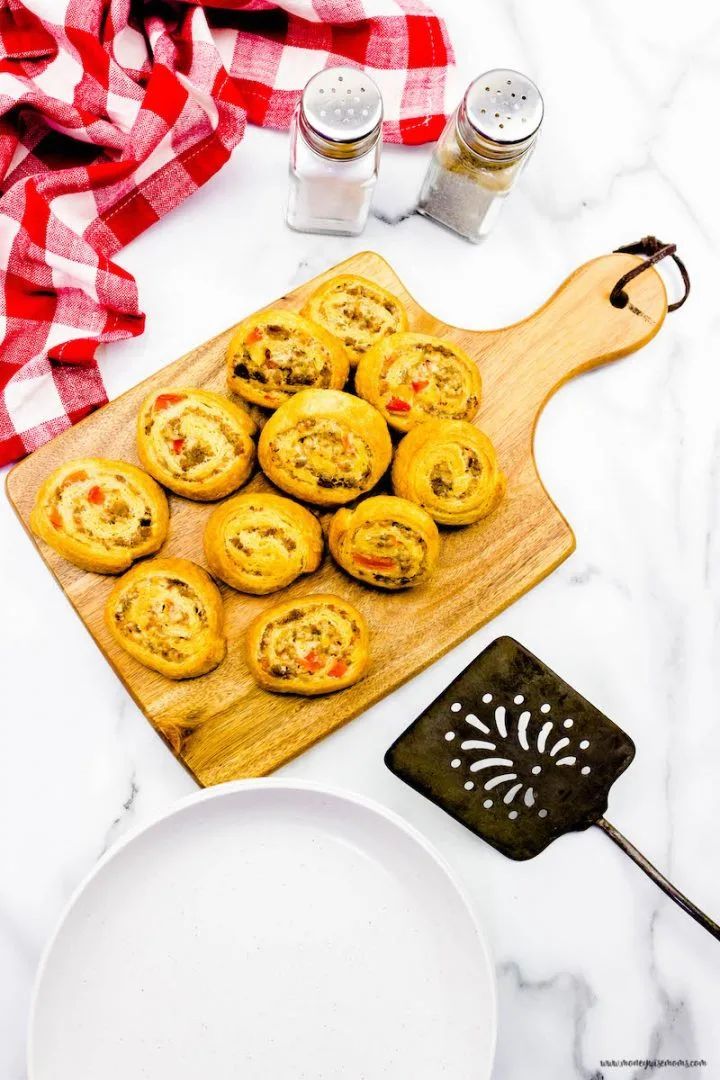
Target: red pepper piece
420	384
55	518
177	445
313	661
396	404
338	669
164	401
75	477
254	335
96	495
374	562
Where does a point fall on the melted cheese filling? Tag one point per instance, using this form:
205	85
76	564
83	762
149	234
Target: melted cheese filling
431	379
102	510
164	616
195	441
388	551
323	452
284	359
358	317
308	642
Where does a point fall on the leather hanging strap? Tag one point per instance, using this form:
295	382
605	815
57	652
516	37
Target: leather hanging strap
654	250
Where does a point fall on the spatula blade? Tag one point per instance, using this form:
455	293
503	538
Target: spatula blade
513	752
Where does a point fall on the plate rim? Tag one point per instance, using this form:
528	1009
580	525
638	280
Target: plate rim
232	787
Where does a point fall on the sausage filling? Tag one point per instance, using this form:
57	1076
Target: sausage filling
164	616
282	359
358	316
311	643
449	482
264	544
323	452
388	551
194	440
428	378
104	510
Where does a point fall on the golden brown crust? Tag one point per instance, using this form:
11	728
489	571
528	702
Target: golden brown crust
311	645
100	514
168	615
357	311
450	468
275	353
195	442
325	447
412	378
385	541
259	543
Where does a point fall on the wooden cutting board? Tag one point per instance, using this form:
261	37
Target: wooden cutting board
222	726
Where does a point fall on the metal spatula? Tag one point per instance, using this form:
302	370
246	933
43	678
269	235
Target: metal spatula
514	753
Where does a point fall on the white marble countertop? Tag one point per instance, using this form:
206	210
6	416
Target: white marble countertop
593	962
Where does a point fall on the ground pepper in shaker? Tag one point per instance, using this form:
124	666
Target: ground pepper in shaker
335	141
481	152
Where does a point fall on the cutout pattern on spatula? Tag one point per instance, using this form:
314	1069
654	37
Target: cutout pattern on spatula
518	756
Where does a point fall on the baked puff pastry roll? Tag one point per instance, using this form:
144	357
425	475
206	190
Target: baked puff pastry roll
259	543
312	645
412	378
357	312
450	468
325	446
197	443
168	614
100	515
275	353
385	541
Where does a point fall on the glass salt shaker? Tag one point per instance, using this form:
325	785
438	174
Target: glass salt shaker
481	152
335	141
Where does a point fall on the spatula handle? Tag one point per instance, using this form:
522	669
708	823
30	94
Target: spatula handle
660	880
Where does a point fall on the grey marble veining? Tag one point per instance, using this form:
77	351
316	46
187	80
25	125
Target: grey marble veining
593	962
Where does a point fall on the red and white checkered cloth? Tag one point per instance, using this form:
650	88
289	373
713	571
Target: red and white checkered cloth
112	113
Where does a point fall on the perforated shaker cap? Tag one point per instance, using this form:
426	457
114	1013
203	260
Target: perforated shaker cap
501	109
341	112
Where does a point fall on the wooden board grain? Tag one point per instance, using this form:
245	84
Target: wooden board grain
222	726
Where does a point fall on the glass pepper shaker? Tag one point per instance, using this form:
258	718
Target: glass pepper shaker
481	152
335	141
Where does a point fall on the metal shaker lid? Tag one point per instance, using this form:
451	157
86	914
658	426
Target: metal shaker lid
341	112
504	107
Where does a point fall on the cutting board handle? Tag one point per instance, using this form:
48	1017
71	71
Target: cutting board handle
578	328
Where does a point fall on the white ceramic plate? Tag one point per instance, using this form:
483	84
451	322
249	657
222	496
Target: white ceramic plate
266	930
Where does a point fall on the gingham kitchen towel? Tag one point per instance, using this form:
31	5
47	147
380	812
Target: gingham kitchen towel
114	111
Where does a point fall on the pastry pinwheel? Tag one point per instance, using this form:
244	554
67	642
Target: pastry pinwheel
325	446
259	543
412	378
357	312
450	468
100	514
385	541
311	645
168	614
275	353
195	442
